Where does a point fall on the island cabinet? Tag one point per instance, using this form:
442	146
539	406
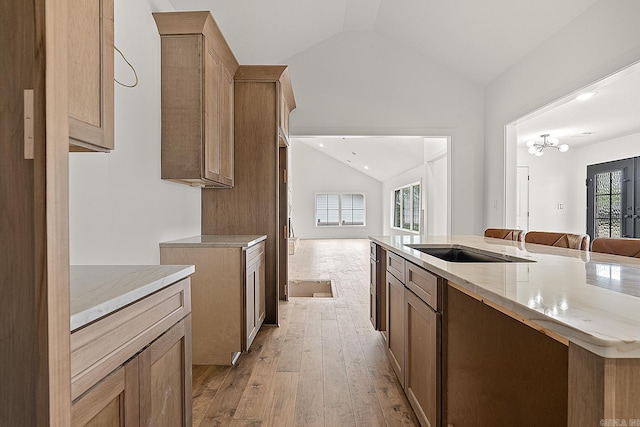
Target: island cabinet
90	75
228	290
197	90
132	366
258	202
414	335
377	288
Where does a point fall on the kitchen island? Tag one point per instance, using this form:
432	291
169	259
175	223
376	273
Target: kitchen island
552	335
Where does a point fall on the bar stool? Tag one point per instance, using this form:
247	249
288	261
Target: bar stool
561	240
505	234
622	246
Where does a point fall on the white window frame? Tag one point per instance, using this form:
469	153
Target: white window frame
412	222
340	210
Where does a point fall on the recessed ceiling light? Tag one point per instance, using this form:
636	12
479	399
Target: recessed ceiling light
321	145
353	152
585	96
348	160
366	167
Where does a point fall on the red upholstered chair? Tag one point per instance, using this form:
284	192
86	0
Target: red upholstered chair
622	246
505	234
561	240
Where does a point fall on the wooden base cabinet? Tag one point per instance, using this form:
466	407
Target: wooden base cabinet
377	286
151	389
228	305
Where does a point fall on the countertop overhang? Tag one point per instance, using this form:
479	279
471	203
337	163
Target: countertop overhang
587	298
98	290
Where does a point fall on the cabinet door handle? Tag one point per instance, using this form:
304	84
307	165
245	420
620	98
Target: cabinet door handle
28	124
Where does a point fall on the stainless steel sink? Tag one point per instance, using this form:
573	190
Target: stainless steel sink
459	253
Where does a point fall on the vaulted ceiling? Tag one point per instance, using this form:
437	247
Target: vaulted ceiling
476	39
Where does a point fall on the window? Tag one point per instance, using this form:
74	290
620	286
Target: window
406	208
340	209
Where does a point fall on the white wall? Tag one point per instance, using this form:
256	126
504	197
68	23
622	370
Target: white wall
120	209
364	84
602	40
560	178
552	183
314	172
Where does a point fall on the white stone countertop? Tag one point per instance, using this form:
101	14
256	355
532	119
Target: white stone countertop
215	241
590	299
97	290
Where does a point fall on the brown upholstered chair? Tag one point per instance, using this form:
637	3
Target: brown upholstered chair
561	240
622	246
505	234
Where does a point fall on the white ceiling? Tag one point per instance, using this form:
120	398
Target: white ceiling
477	39
614	111
380	157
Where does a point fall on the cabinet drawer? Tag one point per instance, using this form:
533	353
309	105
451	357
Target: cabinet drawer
254	252
395	265
423	284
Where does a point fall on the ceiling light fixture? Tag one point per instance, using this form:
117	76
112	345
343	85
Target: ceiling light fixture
585	96
537	148
366	167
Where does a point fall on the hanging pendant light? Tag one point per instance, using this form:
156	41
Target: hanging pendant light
537	148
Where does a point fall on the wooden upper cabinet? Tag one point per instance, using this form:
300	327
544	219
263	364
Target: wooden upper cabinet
197	100
90	75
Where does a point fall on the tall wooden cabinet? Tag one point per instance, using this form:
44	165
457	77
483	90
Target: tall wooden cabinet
257	204
197	100
90	68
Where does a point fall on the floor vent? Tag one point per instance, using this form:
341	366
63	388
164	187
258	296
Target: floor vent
311	288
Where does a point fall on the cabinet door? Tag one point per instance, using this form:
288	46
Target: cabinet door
255	304
211	148
422	359
226	128
395	325
165	378
90	69
373	301
111	402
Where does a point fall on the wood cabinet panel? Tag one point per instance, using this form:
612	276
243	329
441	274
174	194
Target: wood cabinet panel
422	359
165	379
395	326
228	305
197	100
90	74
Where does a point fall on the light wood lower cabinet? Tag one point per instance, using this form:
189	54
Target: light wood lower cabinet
228	304
133	367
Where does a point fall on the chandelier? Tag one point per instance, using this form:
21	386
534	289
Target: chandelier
537	148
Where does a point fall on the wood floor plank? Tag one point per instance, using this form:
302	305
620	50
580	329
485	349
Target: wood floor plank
309	409
337	399
225	403
281	412
206	381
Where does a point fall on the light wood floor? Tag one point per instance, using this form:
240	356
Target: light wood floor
324	365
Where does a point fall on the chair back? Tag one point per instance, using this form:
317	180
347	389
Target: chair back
623	246
505	234
561	240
